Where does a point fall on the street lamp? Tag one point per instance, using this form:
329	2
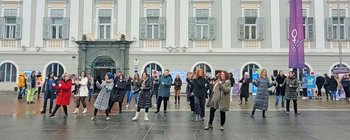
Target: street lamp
136	65
338	34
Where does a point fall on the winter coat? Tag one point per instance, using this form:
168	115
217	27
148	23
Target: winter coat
177	84
118	93
164	86
39	81
345	82
189	87
333	84
128	85
280	80
145	96
102	99
155	87
320	81
220	98
83	87
262	97
291	85
135	87
31	82
63	97
244	90
233	81
199	87
49	90
21	80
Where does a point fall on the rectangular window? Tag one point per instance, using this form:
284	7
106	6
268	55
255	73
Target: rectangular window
250	27
57	27
105	27
202	23
339	23
10	27
153	23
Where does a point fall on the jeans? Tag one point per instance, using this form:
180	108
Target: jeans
48	96
199	105
21	92
91	91
277	100
65	109
333	95
191	98
136	96
212	114
294	104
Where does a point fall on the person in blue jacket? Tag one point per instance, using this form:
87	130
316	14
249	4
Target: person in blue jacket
164	90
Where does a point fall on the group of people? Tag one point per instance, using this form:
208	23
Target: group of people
332	85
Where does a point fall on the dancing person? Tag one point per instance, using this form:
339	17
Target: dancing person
280	88
102	100
164	90
177	88
49	92
21	85
31	84
291	83
118	93
220	99
83	91
135	89
244	90
39	81
145	97
90	86
189	91
200	94
63	97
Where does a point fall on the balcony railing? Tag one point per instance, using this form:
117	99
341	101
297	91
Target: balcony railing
201	44
152	44
251	44
55	44
9	43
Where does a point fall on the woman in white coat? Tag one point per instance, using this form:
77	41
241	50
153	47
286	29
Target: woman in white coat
83	91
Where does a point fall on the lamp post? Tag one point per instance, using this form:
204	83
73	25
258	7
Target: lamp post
338	35
136	65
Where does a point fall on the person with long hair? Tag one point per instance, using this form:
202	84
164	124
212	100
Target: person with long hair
233	81
90	86
83	92
280	88
135	89
189	91
31	82
63	97
102	100
244	90
291	83
118	93
164	90
345	82
145	97
262	97
155	88
49	92
128	89
200	94
333	87
177	88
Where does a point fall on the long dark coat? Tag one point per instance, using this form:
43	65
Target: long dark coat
291	85
262	97
119	91
244	90
145	97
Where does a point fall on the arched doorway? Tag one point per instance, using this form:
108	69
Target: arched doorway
153	68
205	67
56	68
250	68
101	65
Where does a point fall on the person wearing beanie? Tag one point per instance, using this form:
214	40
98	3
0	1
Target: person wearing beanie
102	99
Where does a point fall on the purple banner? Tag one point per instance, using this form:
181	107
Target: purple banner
296	35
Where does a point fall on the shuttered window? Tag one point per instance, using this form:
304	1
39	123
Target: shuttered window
202	27
338	26
152	27
56	26
10	25
251	27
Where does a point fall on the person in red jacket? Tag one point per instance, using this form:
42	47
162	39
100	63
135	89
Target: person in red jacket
63	97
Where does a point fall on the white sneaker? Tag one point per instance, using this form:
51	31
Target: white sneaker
76	111
135	106
127	106
108	118
155	105
92	118
85	110
146	117
136	116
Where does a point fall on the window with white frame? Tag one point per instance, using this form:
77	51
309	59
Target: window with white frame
250	26
105	23
55	68
153	68
152	26
8	72
338	24
56	26
205	67
202	26
10	27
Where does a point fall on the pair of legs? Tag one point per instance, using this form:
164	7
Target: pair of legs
95	113
304	92
65	109
39	91
327	92
47	97
319	91
191	99
333	95
82	100
138	113
294	104
130	95
263	113
347	92
91	92
111	104
212	114
21	92
245	99
159	102
30	95
279	92
199	107
177	96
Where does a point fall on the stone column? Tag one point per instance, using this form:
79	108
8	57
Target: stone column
82	57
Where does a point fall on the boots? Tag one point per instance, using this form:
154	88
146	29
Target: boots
263	114
146	117
136	116
43	111
85	110
175	100
252	115
178	100
50	111
76	111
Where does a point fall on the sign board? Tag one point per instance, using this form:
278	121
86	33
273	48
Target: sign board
311	81
340	70
255	76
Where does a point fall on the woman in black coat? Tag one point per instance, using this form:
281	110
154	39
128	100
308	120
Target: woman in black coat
200	94
244	90
280	88
118	93
145	97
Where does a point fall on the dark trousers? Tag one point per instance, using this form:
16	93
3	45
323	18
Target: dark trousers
58	106
139	109
305	92
199	105
51	101
347	92
295	105
82	100
159	101
21	92
327	92
191	99
111	104
39	91
212	114
319	91
245	98
95	112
